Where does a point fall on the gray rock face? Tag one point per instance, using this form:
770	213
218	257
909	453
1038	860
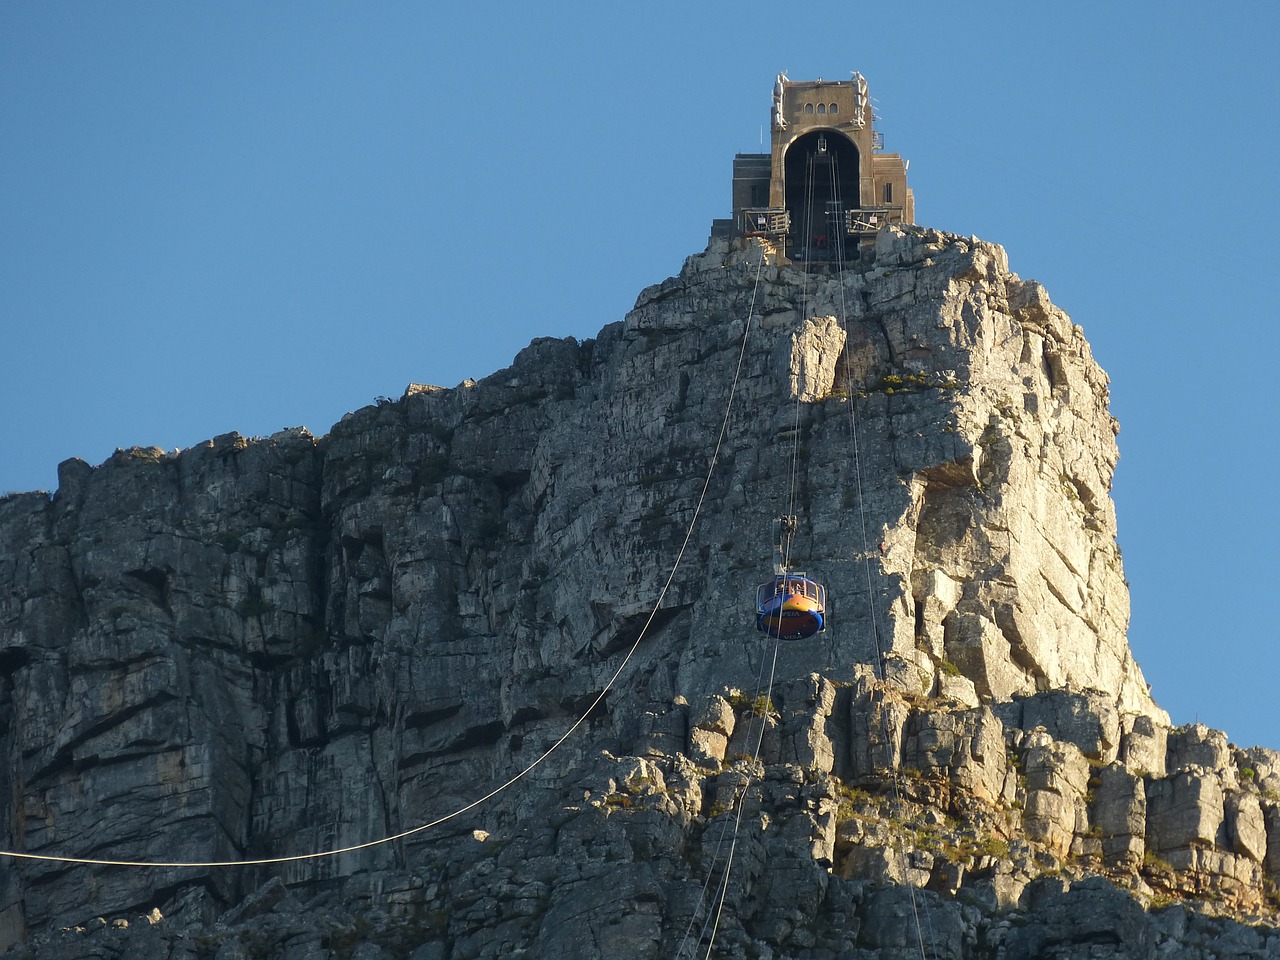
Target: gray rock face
259	648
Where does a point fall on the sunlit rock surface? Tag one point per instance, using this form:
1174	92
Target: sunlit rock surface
261	648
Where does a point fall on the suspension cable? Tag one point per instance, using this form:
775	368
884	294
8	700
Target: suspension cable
262	861
878	667
807	226
786	535
761	704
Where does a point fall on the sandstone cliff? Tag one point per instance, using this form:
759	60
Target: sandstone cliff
258	648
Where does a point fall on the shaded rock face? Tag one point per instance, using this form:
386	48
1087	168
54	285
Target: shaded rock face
268	647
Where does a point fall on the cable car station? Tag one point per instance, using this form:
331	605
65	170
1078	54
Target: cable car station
826	186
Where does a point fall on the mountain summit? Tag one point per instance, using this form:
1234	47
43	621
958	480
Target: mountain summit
522	610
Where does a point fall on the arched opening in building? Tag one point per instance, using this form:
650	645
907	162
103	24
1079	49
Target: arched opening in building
820	172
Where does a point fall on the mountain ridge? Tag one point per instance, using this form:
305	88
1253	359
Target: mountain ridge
296	644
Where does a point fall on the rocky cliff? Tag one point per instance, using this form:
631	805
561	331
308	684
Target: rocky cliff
262	648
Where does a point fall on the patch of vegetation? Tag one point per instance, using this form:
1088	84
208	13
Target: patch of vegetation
638	785
993	846
760	706
972	845
857	804
957	841
144	454
1006	410
1069	488
913	383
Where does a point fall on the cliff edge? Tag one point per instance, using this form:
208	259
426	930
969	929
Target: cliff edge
262	648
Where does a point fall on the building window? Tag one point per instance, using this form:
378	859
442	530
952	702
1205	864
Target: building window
834	108
822	108
888	193
759	195
808	108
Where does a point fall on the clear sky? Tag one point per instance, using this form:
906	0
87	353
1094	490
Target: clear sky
245	216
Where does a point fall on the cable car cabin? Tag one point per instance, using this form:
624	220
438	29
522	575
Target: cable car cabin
791	607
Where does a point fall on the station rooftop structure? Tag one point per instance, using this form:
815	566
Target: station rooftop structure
826	186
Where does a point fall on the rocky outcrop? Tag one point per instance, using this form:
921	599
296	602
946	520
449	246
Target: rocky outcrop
257	648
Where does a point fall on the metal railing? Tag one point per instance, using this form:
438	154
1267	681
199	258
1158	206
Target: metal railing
871	219
765	223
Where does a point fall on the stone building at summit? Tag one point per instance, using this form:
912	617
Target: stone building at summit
826	186
478	674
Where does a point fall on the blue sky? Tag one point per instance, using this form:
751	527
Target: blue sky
245	216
